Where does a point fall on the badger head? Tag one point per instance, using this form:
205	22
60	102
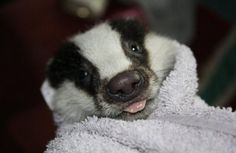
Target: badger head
113	70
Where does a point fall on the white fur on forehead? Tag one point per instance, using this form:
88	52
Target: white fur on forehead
102	46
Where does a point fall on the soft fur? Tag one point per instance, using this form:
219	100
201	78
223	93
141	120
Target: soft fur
103	53
181	123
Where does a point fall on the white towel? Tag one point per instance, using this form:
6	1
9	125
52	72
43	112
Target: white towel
182	123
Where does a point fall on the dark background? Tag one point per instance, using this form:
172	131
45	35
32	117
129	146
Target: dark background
32	30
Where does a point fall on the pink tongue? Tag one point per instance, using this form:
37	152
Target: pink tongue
135	107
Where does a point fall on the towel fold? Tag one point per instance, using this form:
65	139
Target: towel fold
182	122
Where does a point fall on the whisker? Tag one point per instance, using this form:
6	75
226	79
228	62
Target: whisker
164	70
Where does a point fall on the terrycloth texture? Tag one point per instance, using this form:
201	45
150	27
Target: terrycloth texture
181	123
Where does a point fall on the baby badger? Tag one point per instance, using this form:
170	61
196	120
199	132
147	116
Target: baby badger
113	70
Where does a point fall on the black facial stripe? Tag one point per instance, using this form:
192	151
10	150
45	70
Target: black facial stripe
129	29
68	64
131	32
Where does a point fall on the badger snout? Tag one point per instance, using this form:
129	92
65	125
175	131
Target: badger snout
125	86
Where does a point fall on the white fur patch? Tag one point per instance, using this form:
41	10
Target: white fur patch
48	93
72	103
102	47
161	53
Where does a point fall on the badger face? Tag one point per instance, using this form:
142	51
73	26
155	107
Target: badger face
113	70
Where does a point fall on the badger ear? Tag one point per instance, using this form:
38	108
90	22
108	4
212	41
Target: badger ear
48	93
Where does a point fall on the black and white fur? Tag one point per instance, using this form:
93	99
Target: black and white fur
80	72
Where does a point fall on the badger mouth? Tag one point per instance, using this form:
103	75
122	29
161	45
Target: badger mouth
135	106
137	109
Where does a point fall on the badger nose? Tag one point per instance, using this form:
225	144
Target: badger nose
125	86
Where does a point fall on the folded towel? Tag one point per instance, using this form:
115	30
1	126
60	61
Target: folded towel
182	122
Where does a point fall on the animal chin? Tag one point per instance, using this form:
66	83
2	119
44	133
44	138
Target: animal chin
135	107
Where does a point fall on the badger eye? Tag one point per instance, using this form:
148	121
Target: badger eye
83	74
134	47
